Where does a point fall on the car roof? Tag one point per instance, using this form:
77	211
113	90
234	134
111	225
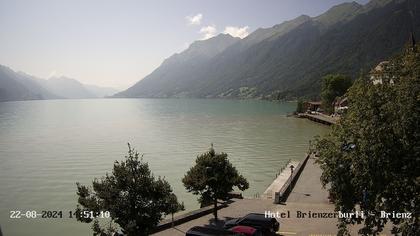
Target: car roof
207	231
243	229
256	216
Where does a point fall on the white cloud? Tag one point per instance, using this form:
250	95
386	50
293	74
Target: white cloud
240	32
208	31
52	74
194	20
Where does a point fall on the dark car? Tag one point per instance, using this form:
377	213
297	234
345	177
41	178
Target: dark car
255	220
208	231
246	230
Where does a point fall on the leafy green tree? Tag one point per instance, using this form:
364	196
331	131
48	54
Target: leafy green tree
333	86
136	200
213	177
174	206
371	160
299	107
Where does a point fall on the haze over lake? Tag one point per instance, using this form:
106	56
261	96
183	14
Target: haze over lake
47	146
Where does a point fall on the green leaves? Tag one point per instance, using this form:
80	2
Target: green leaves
333	86
213	177
136	199
383	124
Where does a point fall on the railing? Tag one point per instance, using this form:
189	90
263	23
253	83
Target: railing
286	189
283	167
192	215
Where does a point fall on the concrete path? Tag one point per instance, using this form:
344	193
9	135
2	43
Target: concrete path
308	188
237	209
305	212
322	117
269	193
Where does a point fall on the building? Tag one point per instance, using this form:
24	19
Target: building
382	72
379	73
340	105
312	106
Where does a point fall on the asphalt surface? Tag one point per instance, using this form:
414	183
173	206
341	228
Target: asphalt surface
306	211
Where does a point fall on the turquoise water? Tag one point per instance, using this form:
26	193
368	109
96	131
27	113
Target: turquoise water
48	146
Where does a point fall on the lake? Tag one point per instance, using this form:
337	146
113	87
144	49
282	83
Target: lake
47	146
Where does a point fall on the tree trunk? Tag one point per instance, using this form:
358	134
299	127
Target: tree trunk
215	209
172	220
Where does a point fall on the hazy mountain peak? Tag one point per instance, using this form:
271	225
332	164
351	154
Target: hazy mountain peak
68	87
288	59
379	3
339	13
212	45
21	86
203	49
64	78
275	31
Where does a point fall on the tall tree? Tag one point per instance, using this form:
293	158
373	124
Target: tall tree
174	206
299	107
213	177
333	86
371	160
136	200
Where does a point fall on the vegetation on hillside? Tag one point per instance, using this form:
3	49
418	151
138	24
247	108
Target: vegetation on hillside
333	86
288	60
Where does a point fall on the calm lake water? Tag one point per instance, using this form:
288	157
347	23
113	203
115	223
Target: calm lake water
48	146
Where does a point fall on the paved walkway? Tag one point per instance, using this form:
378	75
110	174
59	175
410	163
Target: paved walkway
237	209
281	179
322	118
302	214
308	188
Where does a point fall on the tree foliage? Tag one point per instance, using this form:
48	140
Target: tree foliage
371	159
299	107
174	206
333	86
136	200
213	177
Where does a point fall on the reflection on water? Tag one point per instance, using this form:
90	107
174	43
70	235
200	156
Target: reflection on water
48	146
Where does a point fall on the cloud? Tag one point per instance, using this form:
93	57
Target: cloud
208	31
240	32
194	20
53	73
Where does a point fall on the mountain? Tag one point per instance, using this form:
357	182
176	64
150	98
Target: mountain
33	83
287	60
16	86
67	87
178	72
100	92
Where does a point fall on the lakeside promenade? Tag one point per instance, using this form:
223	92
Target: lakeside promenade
300	214
280	180
306	196
320	118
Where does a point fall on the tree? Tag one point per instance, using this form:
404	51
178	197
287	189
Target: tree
136	200
371	159
213	177
300	108
333	86
174	206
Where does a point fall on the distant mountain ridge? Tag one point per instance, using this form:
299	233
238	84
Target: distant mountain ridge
287	60
16	86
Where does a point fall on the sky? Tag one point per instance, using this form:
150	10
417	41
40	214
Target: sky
115	43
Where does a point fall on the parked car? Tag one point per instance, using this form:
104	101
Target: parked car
255	220
246	230
208	231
